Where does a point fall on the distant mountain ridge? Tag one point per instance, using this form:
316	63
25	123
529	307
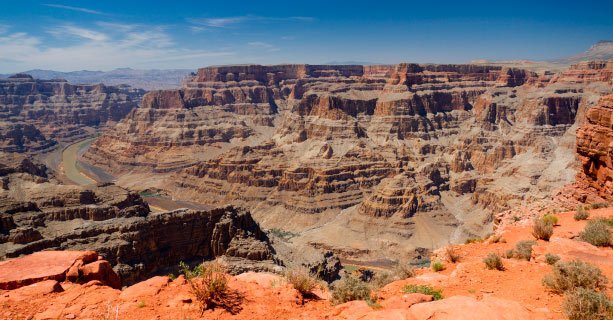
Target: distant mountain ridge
601	50
145	79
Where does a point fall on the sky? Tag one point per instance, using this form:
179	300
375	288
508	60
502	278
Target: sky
68	35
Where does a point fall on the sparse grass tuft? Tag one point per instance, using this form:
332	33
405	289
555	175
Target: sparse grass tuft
438	266
542	229
587	304
551	258
550	219
597	233
404	270
569	275
523	249
493	262
473	240
509	254
452	255
302	280
140	304
350	288
599	205
427	290
581	214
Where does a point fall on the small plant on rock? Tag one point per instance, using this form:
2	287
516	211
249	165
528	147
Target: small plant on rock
550	218
523	249
551	258
587	304
452	255
209	284
427	290
302	280
438	266
542	229
581	214
569	275
493	262
597	233
350	288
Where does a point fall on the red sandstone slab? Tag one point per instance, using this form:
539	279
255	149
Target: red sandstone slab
40	266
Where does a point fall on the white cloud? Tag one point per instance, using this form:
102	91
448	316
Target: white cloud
78	9
113	46
223	22
68	30
3	28
263	45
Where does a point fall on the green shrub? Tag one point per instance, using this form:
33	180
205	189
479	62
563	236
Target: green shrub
569	275
302	280
542	230
427	290
438	266
209	284
523	249
550	219
587	304
581	214
551	258
493	262
350	288
597	233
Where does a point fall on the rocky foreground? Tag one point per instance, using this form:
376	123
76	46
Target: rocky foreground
80	285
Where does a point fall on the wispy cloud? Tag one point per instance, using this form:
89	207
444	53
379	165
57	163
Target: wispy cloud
108	47
69	30
78	9
263	45
224	22
3	28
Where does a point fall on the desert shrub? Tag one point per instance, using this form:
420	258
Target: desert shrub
509	254
283	234
493	262
523	249
497	238
427	290
542	230
350	288
473	240
209	284
587	304
569	275
599	205
452	255
597	233
581	214
551	258
302	280
438	266
404	270
551	219
381	279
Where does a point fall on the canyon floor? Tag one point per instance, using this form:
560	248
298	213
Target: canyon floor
515	293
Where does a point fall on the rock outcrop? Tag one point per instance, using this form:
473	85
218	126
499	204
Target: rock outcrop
35	114
595	149
407	150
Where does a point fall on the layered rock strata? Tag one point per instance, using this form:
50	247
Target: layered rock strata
34	113
414	146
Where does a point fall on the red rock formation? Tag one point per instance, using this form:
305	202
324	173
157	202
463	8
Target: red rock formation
595	148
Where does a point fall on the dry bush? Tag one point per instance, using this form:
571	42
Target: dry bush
569	275
209	284
523	249
581	214
427	290
509	254
303	281
493	262
587	304
551	258
350	288
404	270
452	254
382	278
542	229
550	218
597	233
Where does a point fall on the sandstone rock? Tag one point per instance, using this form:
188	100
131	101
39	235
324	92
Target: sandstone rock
148	288
457	307
102	271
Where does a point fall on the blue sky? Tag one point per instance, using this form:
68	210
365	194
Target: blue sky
103	35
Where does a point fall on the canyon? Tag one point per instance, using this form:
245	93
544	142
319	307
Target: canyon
369	162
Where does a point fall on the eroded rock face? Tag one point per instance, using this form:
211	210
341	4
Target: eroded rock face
436	143
595	149
34	114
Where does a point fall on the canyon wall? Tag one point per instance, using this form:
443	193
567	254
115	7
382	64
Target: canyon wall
418	155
